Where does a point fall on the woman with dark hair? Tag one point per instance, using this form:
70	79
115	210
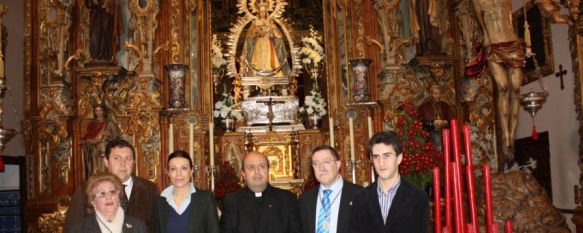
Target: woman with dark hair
103	193
181	207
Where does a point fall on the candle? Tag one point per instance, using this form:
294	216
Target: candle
457	197
436	200
351	128
212	143
331	123
171	138
447	172
352	154
470	178
508	225
456	142
488	197
191	140
370	128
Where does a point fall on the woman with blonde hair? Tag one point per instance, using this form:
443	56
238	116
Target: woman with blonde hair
103	193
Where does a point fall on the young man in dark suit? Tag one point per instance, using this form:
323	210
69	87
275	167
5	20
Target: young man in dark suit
391	204
260	207
139	193
326	207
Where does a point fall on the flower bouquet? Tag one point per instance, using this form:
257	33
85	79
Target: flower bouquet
218	61
312	53
314	107
226	108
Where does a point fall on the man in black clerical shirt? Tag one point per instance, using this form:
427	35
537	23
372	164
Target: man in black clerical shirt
260	207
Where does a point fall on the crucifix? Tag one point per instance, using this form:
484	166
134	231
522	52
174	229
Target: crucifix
270	115
560	75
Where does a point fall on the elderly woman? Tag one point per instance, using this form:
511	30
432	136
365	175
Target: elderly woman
103	193
181	207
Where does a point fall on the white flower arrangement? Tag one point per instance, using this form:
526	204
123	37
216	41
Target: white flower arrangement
218	60
314	104
226	108
312	52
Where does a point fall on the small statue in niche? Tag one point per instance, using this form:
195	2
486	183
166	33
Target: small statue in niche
435	114
104	29
98	132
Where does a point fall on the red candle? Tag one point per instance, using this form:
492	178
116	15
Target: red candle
447	172
457	200
488	197
436	200
470	178
468	145
455	141
508	225
472	198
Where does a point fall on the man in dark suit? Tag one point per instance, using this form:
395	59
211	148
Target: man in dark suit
391	204
260	207
139	194
326	207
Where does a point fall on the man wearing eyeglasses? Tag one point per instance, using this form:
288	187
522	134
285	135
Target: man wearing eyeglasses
391	204
138	194
326	208
260	207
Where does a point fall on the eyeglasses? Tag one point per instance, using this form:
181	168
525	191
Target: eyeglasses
325	162
104	194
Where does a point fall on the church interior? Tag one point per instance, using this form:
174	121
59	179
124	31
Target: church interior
219	78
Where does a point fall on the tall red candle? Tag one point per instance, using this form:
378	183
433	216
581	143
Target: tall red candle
457	200
508	226
470	178
447	172
488	197
455	141
436	200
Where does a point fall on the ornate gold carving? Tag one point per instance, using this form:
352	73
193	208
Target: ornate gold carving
390	21
55	24
360	28
52	222
143	50
175	17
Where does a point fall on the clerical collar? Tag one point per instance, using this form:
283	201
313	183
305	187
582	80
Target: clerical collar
259	194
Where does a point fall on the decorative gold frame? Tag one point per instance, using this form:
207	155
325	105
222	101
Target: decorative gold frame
540	34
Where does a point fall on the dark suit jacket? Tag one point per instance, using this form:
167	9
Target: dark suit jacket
278	214
308	207
140	204
202	216
409	211
90	225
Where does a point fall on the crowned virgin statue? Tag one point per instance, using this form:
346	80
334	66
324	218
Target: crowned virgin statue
264	52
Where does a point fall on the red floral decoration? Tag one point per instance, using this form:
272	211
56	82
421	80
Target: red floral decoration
419	152
227	182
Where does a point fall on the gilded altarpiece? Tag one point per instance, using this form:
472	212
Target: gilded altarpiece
63	83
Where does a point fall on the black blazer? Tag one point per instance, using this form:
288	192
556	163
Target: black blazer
140	204
90	225
202	216
309	201
278	214
409	211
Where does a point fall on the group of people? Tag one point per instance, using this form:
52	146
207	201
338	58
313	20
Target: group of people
117	201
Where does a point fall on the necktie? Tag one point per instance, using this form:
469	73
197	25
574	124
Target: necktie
324	214
123	202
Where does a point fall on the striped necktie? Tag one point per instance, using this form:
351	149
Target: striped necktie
324	214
